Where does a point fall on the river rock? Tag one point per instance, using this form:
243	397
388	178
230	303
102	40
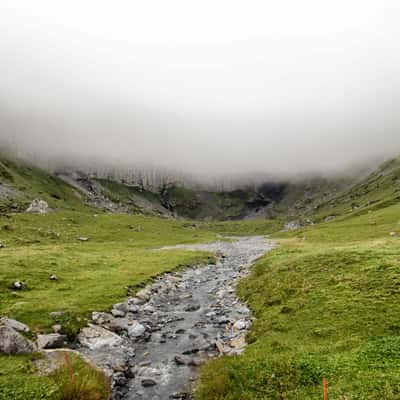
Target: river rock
240	325
182	359
12	323
148	382
51	341
101	318
95	337
192	307
118	313
144	294
136	330
12	342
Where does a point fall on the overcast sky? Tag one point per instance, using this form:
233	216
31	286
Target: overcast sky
208	87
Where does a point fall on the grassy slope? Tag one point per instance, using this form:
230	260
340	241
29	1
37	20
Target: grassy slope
31	182
92	275
128	195
326	303
378	190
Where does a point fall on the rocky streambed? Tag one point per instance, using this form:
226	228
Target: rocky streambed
152	344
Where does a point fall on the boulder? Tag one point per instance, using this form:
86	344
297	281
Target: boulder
292	225
12	342
118	313
95	337
240	325
18	285
57	314
121	307
136	330
12	323
38	206
51	341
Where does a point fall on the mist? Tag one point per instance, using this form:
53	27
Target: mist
207	89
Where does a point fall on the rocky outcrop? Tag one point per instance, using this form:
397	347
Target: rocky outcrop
12	342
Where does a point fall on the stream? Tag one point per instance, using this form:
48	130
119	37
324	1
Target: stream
153	344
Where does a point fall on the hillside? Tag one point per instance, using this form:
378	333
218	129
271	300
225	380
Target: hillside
20	183
325	304
324	301
305	201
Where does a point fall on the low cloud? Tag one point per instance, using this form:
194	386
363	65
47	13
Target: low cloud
221	90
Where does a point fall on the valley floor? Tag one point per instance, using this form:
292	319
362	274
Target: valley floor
325	301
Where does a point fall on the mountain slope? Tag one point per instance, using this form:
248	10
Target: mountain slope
20	183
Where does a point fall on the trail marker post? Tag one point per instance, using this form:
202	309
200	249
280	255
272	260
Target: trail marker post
69	366
325	384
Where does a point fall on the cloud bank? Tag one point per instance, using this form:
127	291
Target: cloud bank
228	88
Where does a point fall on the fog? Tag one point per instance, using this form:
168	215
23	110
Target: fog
209	89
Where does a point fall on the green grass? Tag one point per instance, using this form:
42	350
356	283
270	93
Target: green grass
20	380
243	228
326	305
118	258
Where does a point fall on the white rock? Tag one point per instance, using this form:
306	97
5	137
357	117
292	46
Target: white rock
95	337
240	325
38	206
136	329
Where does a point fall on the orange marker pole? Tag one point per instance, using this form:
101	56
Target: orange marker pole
69	366
325	383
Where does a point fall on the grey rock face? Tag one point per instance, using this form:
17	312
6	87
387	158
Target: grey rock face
12	342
